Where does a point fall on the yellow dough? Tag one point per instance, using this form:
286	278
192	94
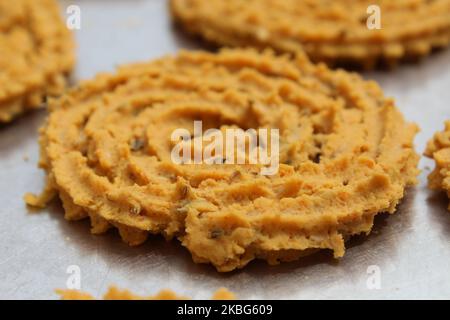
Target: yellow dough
117	294
346	154
332	31
36	54
439	150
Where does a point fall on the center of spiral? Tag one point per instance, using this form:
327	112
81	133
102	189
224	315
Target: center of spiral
227	145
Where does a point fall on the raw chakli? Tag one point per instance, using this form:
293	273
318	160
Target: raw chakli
37	52
439	150
332	31
117	294
346	154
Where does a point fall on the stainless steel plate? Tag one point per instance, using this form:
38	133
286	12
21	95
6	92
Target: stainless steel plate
411	248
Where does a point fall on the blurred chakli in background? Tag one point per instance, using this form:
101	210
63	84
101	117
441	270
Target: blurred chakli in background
338	32
36	55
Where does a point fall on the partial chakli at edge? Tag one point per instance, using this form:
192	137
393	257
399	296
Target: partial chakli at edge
334	32
346	154
37	54
438	149
114	293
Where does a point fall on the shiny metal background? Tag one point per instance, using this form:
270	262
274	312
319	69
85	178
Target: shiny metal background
411	248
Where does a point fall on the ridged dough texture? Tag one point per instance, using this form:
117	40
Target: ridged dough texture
439	150
117	294
346	154
331	31
36	54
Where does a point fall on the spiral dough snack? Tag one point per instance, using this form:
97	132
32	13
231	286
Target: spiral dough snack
345	154
332	31
118	294
36	53
439	150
